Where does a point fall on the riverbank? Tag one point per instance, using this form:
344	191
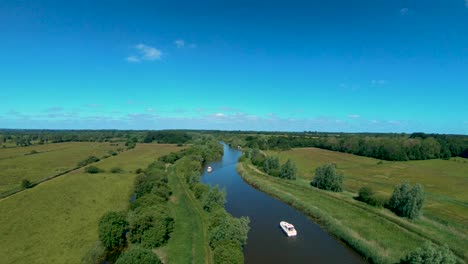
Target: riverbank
375	233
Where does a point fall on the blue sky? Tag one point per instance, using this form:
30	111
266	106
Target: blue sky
352	66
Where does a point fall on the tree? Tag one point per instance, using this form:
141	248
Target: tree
271	166
430	254
288	170
228	252
92	169
215	197
407	201
138	255
327	178
230	229
367	195
112	228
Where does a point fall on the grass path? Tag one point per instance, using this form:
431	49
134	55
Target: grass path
374	232
189	242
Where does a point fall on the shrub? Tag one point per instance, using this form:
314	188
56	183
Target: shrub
215	197
139	170
407	201
230	229
150	226
367	195
228	252
117	170
271	166
95	255
288	170
88	160
138	255
200	190
112	227
327	178
430	254
26	184
93	169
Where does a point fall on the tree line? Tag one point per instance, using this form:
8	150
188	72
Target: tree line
393	147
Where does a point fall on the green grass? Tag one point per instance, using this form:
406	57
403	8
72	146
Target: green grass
56	222
189	242
374	232
445	181
17	164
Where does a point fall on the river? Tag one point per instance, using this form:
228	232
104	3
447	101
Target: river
266	242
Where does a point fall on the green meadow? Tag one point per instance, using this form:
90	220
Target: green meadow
38	162
56	221
374	232
445	181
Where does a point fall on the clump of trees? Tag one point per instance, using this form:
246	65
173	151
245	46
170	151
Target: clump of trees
112	228
87	161
327	178
271	165
138	255
430	254
407	201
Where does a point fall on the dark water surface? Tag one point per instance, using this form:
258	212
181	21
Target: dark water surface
266	243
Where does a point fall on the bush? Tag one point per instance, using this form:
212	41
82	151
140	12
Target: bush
407	201
367	195
25	184
95	255
138	255
327	178
200	190
271	166
228	252
139	170
117	170
112	228
430	254
88	160
230	229
150	226
93	169
288	170
215	197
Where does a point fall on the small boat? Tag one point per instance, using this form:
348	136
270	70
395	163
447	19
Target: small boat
209	169
288	228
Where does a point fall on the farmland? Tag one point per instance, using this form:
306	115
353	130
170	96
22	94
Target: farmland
56	222
38	162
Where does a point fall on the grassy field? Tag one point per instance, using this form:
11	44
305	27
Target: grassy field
18	163
374	232
445	181
189	242
56	222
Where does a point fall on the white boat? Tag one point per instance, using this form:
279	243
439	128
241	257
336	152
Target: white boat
288	228
209	169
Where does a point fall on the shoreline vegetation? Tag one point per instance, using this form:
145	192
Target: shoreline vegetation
197	228
374	232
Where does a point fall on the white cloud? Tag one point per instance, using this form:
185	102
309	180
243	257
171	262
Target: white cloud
148	52
221	115
354	116
405	10
133	59
180	43
466	3
145	53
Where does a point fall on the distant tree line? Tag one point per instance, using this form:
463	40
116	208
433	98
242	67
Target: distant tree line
395	147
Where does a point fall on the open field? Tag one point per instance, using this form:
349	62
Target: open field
56	222
374	232
445	181
48	160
